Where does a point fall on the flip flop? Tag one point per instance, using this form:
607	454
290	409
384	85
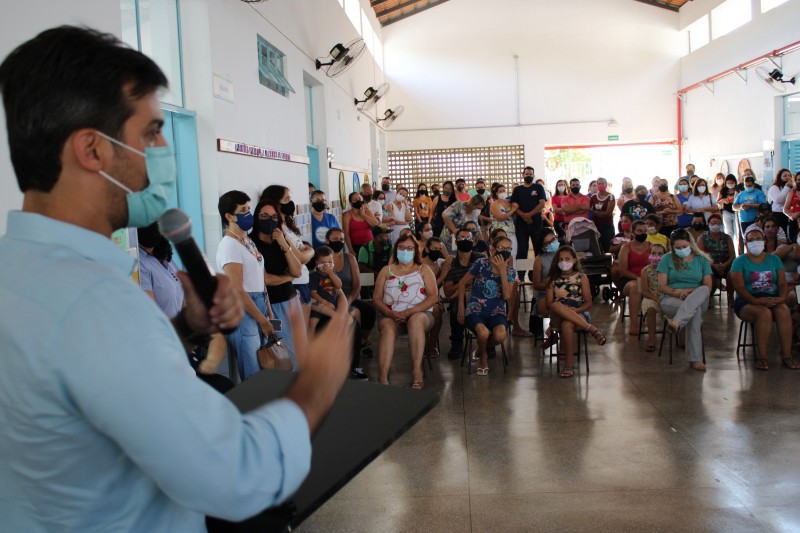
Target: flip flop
789	363
761	364
568	372
417	385
482	371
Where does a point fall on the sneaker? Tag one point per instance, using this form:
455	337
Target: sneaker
358	374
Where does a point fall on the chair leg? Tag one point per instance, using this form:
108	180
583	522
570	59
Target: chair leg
505	357
641	325
586	350
664	334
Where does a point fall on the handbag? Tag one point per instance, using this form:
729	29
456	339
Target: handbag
274	354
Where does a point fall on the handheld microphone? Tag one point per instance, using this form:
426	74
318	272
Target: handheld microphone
176	226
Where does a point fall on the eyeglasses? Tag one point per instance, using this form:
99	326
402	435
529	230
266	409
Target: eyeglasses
406	248
464	238
503	249
265	216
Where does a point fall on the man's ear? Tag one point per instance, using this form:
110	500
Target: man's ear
89	150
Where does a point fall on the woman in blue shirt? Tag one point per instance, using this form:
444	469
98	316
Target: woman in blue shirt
684	282
683	194
761	289
747	202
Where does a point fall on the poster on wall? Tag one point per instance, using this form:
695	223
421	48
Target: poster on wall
128	240
744	164
769	169
723	168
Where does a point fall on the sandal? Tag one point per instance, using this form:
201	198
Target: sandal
551	339
567	372
482	371
519	332
599	338
761	364
417	385
697	365
789	363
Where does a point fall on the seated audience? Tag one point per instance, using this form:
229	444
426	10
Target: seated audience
492	283
457	215
684	283
654	235
719	246
633	257
357	223
761	290
435	257
513	303
648	286
377	252
698	226
405	292
462	262
569	299
545	246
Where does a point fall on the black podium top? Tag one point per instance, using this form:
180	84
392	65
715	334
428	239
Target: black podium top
365	419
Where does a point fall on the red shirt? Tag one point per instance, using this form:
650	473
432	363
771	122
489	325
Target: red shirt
580	200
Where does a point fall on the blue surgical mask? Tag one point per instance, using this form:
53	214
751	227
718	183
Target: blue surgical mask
147	205
683	253
749	188
405	256
683	188
552	247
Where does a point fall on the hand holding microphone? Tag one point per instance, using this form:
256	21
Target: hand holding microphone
211	301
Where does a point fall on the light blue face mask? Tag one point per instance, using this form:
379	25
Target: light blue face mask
405	256
683	253
552	247
145	206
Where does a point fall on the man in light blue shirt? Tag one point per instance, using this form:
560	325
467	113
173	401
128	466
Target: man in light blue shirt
103	425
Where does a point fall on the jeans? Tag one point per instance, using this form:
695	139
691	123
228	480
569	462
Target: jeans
247	338
729	219
281	312
689	313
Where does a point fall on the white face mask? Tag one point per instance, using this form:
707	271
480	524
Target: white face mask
401	197
651	230
566	266
714	228
427	235
755	247
701	189
720	181
560	188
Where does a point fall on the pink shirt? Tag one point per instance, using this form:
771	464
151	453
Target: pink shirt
580	200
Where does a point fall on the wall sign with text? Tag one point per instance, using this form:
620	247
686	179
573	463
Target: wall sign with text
234	147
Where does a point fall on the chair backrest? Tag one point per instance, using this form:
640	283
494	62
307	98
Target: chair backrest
524	264
367	280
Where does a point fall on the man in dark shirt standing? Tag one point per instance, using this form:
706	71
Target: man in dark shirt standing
529	198
638	207
460	266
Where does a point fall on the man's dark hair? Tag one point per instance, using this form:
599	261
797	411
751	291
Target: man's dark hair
228	202
461	180
63	80
528	168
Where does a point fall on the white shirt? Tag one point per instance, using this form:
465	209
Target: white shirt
777	197
302	279
696	203
230	250
376	208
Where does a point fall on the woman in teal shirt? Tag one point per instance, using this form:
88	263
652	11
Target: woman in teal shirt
761	289
684	282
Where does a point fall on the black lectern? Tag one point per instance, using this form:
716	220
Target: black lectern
365	419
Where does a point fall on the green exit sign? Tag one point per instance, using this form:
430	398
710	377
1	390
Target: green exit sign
613	137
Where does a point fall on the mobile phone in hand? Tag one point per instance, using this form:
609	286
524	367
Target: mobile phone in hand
276	325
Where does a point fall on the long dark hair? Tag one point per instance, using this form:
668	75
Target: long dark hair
555	272
276	193
255	234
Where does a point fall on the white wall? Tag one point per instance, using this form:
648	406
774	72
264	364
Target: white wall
20	23
219	37
738	117
581	62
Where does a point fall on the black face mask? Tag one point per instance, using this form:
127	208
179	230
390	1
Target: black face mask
384	187
641	197
628	190
436	192
268	226
640	237
505	254
698	227
460	187
528	179
422	193
434	255
336	246
464	246
367	197
575	190
287	209
357	205
663	188
319	207
481	191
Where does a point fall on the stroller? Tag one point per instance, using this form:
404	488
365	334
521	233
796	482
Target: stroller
582	234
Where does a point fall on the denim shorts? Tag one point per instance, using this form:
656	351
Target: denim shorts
491	322
304	292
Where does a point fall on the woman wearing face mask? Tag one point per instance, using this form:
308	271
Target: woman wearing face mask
405	292
562	190
627	193
602	210
459	214
346	269
698	227
720	247
241	261
399	212
357	223
683	195
423	233
761	291
492	281
502	213
791	207
701	201
545	247
727	195
321	221
303	252
777	195
716	187
648	286
281	267
422	205
633	257
667	207
569	298
435	257
684	283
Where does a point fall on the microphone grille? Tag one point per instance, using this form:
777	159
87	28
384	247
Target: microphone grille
175	225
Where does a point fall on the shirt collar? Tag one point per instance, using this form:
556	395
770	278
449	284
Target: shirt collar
33	227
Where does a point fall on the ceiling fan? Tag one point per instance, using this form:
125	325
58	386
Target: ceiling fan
371	97
775	79
390	116
341	57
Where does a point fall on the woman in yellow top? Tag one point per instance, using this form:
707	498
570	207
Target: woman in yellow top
422	205
653	222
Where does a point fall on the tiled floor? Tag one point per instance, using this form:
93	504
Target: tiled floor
636	445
